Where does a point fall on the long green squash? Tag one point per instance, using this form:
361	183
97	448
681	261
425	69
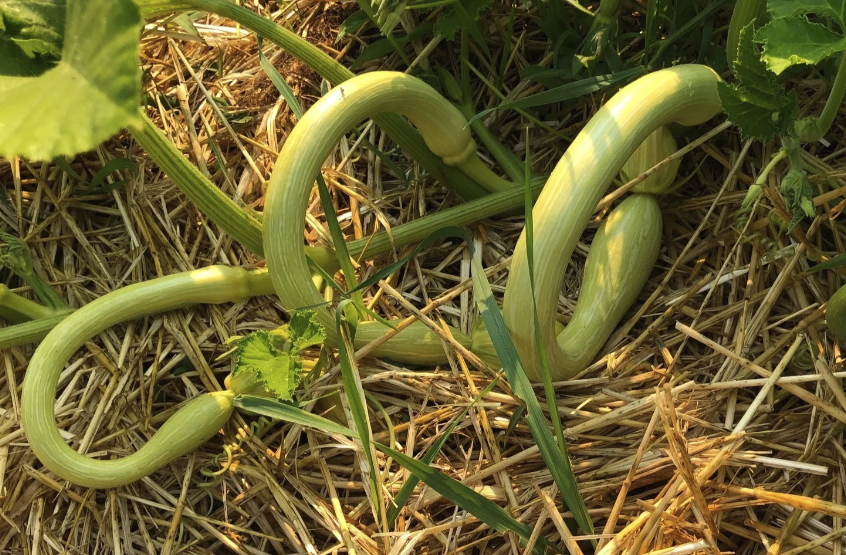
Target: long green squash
186	430
685	94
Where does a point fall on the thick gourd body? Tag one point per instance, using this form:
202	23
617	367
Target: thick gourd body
621	258
443	128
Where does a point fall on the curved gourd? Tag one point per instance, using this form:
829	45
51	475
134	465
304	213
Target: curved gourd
198	420
314	137
684	94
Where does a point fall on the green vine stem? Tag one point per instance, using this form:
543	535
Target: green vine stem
756	188
685	94
25	307
190	427
211	201
29	332
814	128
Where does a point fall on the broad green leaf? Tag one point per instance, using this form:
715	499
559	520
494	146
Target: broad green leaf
756	102
91	94
277	371
795	40
830	9
35	26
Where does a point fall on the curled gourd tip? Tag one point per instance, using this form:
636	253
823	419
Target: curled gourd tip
657	146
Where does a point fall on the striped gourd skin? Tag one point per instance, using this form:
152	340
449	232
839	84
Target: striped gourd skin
621	258
191	426
684	94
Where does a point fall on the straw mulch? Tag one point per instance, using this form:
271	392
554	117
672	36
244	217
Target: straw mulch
680	437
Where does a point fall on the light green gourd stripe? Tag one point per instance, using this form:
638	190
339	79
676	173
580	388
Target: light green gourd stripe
310	143
684	94
189	428
621	258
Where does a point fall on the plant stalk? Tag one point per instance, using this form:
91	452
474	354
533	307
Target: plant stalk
25	307
813	129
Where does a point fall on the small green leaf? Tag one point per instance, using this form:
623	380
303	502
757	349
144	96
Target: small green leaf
830	9
274	356
110	166
91	94
305	331
756	102
352	24
795	40
799	195
36	27
452	20
276	370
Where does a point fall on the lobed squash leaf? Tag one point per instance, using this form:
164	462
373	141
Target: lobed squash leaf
789	41
92	93
756	102
275	357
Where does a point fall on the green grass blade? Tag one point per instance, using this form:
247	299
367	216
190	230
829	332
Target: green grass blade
474	503
555	456
265	406
358	405
564	92
407	488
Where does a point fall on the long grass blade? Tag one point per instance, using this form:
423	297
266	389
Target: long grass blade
358	405
407	488
474	503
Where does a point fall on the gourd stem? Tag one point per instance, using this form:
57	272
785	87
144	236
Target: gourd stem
211	201
481	174
25	307
190	427
29	332
813	129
